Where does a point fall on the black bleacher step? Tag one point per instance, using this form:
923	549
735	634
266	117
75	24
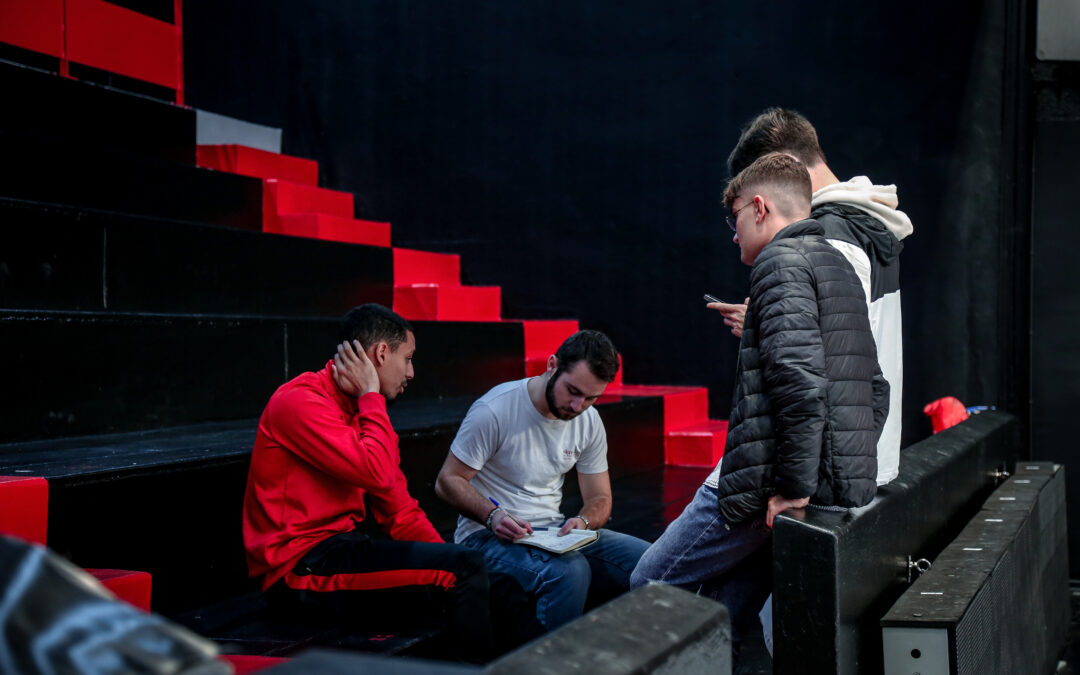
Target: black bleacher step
124	372
51	171
78	113
66	258
106	457
247	625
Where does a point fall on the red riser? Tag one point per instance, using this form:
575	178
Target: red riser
37	25
113	38
131	587
535	365
683	406
242	665
684	409
543	338
700	445
24	508
258	163
448	303
283	197
329	228
680	484
426	267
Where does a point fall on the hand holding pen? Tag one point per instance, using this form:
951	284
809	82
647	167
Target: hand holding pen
507	527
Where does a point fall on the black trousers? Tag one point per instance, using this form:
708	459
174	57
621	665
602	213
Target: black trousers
359	579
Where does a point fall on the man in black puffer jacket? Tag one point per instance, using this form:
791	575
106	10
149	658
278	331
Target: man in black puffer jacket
809	399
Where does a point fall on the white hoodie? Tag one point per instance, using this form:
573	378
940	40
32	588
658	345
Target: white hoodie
872	246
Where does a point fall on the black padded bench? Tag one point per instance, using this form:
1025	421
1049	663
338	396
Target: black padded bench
835	574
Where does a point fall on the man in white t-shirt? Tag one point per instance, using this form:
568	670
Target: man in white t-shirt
504	474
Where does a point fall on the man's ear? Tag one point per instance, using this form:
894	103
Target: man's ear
552	363
380	352
760	210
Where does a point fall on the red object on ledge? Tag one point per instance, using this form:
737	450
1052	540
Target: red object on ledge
945	412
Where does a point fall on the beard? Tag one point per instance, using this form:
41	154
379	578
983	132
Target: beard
549	395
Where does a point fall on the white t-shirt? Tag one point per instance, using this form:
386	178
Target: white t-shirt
521	456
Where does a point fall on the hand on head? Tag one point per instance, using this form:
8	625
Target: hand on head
353	371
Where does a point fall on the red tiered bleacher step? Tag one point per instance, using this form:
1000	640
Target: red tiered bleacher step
427	287
242	665
133	587
542	339
434	302
329	228
690	437
258	163
696	445
24	513
292	202
426	267
307	211
24	507
280	197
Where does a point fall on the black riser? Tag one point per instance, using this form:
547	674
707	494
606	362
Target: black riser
75	374
53	172
77	113
67	259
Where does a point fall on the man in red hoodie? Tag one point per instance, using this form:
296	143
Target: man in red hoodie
324	444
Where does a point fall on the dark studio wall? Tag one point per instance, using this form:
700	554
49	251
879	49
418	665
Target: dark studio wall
1055	303
574	153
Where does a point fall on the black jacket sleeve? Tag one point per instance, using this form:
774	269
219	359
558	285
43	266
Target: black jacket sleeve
793	364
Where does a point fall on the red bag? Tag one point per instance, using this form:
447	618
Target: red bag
945	412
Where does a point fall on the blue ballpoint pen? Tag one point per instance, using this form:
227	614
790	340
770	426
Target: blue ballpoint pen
492	500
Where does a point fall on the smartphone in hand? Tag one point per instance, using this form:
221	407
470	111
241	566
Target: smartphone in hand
711	298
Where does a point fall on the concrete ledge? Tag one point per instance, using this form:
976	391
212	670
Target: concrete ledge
655	629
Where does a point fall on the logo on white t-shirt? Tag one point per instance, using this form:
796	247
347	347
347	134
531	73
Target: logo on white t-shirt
571	455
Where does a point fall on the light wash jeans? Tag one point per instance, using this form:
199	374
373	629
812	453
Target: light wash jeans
562	583
701	553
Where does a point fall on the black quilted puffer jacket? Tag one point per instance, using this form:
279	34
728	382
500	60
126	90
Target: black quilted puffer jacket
809	400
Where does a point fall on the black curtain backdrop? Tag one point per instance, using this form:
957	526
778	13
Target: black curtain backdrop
574	152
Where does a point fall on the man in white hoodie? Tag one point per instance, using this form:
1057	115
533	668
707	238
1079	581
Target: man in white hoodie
862	222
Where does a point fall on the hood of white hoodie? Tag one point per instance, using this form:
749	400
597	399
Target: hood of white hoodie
880	201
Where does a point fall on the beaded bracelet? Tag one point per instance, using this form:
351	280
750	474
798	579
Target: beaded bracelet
491	514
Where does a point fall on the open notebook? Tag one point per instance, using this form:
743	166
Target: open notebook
549	539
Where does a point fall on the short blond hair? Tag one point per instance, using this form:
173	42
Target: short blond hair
784	173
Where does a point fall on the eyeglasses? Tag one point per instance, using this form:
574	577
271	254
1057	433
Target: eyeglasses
734	217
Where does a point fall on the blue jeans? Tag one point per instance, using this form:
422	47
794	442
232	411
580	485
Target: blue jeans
562	583
701	553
